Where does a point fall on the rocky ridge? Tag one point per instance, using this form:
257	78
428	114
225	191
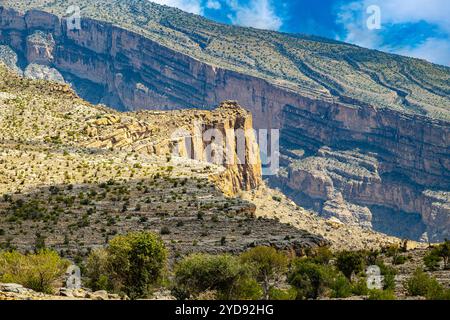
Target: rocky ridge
72	177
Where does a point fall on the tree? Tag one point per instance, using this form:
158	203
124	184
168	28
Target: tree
200	273
39	242
350	262
437	254
444	252
131	264
313	280
98	271
321	255
39	271
432	259
267	265
421	284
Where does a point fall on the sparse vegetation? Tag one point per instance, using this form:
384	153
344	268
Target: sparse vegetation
39	271
131	264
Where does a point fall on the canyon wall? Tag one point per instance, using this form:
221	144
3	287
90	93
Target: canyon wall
224	137
131	72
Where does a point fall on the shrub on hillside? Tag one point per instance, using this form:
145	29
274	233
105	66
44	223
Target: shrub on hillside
432	260
131	264
313	280
350	262
223	274
39	271
267	266
381	295
421	284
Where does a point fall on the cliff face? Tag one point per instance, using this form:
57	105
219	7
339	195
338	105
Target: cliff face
224	137
131	71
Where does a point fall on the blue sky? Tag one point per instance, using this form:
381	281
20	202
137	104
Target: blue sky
417	28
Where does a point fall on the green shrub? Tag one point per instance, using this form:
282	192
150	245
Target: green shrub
443	252
388	273
340	287
282	294
382	295
131	264
399	259
165	231
224	274
359	287
432	260
321	255
267	266
313	280
421	284
350	262
97	271
277	198
39	271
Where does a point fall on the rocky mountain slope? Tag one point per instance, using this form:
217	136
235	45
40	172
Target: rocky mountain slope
365	134
73	175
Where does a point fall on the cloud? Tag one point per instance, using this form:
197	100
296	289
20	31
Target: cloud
255	13
248	13
192	6
213	4
431	43
435	50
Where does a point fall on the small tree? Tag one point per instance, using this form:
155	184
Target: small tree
268	266
432	259
312	280
98	271
130	264
350	262
437	254
321	255
200	273
39	271
444	252
421	284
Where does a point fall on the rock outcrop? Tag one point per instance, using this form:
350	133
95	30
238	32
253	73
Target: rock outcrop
224	137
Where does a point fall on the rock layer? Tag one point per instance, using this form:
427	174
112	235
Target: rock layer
224	137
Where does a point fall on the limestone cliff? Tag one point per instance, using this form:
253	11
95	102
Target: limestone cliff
185	134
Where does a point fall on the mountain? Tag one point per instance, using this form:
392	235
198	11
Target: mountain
364	134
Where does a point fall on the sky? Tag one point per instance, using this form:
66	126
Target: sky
416	28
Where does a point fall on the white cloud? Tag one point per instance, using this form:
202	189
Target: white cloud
248	13
256	13
192	6
352	16
433	49
213	4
